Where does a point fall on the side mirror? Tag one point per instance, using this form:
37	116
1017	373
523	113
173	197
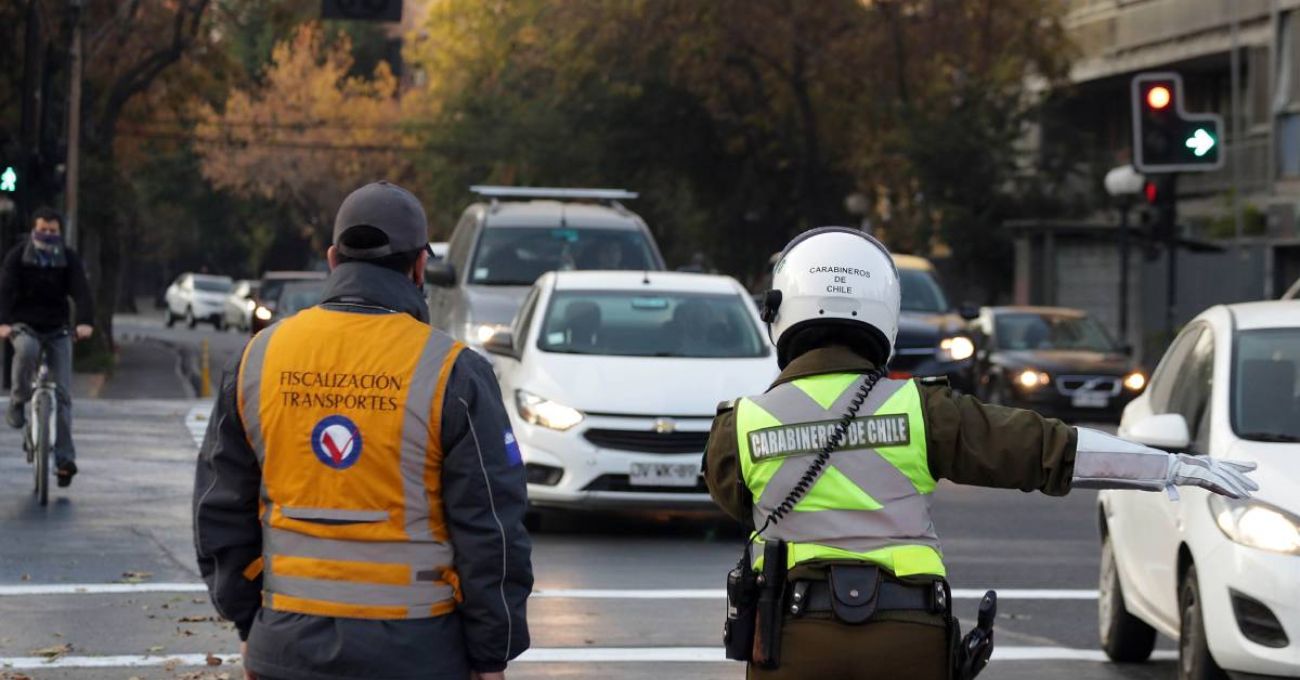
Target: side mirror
501	343
969	311
440	273
1163	431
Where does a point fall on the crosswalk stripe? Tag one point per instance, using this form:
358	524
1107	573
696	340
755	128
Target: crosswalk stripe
552	593
541	655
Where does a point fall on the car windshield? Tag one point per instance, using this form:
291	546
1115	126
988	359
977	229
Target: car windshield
516	256
295	297
1265	404
921	292
650	324
213	285
1034	331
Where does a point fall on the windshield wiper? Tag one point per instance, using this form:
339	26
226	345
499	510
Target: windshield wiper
1270	437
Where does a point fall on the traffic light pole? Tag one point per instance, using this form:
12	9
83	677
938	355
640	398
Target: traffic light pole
1123	273
1171	252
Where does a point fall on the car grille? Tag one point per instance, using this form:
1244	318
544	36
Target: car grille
620	483
646	441
1088	384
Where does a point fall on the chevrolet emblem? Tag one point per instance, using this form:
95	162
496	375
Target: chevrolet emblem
665	425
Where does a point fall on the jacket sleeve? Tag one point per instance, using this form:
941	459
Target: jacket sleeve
79	289
970	442
485	497
227	531
722	469
9	285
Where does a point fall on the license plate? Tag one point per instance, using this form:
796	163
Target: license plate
663	474
1090	400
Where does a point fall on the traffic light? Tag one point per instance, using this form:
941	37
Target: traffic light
8	180
362	10
1166	138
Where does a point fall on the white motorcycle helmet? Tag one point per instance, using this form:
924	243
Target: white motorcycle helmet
834	277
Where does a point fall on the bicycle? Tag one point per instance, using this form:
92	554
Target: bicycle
40	433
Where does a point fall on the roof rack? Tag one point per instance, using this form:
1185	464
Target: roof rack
490	191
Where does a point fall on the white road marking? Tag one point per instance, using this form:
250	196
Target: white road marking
544	655
196	421
557	593
101	588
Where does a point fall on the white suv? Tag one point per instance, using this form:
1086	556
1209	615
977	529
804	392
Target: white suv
198	297
1222	577
502	245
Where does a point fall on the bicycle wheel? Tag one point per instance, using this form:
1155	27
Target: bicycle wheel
43	435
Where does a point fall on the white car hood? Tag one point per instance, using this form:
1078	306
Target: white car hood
1278	473
647	386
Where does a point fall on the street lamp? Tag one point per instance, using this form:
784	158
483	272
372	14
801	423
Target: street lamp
1123	183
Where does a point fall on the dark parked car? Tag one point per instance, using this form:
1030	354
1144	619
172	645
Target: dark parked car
933	338
1059	362
268	295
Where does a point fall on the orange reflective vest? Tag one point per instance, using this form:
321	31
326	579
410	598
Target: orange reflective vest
343	411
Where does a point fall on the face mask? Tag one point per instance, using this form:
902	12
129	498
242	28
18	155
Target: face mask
47	239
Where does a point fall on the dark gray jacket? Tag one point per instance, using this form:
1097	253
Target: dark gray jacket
484	494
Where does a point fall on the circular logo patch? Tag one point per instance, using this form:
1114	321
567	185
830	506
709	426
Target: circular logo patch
337	442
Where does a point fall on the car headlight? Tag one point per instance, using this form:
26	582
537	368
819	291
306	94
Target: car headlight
480	333
1135	381
1257	525
263	314
1032	379
548	414
956	348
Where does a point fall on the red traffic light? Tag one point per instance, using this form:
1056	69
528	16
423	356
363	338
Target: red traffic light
1159	97
1151	192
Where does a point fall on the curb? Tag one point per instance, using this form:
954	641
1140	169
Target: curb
187	362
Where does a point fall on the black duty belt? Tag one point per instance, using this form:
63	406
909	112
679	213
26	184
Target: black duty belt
817	596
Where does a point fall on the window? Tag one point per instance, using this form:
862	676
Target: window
1265	405
1028	331
1162	381
921	292
1190	396
524	321
650	324
516	256
461	238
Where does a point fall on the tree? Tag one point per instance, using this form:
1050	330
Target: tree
309	133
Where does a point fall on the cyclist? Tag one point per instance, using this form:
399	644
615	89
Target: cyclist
37	278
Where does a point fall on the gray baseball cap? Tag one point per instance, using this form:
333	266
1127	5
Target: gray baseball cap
388	208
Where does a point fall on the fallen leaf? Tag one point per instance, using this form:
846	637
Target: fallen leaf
134	576
199	600
53	652
198	619
213	660
25	577
156	648
185	633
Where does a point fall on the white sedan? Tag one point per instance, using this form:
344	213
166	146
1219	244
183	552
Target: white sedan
612	379
1221	577
198	298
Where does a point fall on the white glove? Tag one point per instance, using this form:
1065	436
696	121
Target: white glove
1224	477
1103	461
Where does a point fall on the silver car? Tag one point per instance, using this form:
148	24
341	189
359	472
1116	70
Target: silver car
504	243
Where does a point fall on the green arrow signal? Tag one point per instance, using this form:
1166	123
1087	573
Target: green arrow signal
1200	142
9	180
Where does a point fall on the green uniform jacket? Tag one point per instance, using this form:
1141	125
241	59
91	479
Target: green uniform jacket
968	442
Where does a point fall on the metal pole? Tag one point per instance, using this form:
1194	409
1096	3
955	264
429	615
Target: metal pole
74	128
1123	273
1236	149
1171	255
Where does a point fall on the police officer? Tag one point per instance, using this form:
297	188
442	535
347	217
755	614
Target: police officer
359	500
836	464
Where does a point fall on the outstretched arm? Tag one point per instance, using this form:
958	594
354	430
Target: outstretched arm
1103	461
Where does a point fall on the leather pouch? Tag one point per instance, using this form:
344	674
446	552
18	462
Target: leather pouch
854	591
